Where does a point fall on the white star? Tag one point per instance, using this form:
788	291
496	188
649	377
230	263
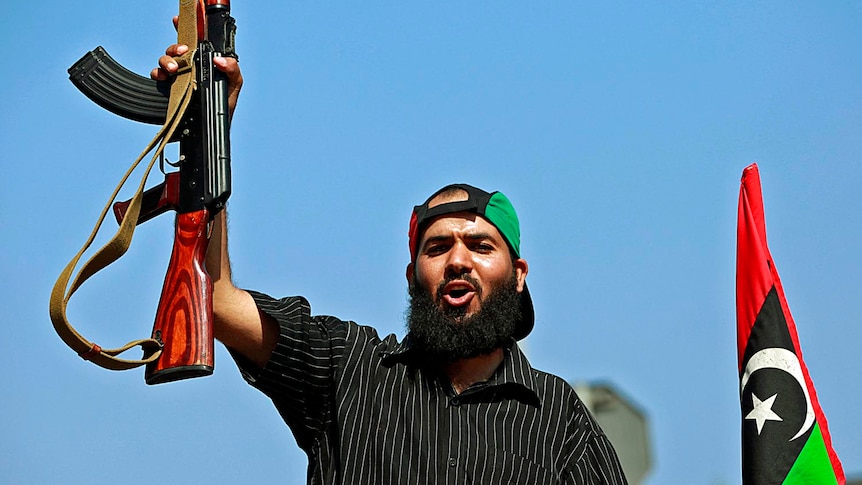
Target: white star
762	411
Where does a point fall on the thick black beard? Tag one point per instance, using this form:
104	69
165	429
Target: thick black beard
445	335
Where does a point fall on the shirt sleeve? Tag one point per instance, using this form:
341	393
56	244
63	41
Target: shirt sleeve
593	458
599	465
300	375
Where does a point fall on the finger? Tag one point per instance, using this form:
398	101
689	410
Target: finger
159	74
176	50
176	20
230	67
227	65
167	63
167	67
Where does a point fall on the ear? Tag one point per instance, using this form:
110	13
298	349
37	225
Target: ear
409	273
521	269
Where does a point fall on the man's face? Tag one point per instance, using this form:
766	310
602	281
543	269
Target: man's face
461	258
464	286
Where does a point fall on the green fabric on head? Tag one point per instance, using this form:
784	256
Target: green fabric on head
502	214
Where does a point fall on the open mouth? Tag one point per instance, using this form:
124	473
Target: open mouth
458	293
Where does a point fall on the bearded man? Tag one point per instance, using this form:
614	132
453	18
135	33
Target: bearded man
454	402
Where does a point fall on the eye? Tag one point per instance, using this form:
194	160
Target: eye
436	249
483	248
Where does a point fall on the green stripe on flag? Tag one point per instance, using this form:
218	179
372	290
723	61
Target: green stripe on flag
813	464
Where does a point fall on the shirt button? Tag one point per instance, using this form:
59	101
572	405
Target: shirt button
452	462
455	401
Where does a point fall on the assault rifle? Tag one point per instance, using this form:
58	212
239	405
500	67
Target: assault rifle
182	335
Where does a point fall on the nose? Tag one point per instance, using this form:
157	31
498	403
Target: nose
459	260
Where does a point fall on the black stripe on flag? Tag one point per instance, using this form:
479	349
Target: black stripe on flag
769	448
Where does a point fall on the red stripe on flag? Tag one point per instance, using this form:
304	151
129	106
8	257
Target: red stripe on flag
753	277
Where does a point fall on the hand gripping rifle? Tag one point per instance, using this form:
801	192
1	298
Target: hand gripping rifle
193	110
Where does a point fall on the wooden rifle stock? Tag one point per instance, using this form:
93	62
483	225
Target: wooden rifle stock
184	322
184	319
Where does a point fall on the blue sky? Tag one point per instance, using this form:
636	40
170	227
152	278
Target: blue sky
619	131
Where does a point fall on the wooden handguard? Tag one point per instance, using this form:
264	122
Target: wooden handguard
184	319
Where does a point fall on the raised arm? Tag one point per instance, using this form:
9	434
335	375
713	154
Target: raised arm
238	322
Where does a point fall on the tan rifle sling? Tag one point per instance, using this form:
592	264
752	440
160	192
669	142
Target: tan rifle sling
181	93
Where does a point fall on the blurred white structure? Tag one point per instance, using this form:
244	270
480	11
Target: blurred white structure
624	424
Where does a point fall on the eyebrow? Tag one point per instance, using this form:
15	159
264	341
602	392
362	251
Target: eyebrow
474	236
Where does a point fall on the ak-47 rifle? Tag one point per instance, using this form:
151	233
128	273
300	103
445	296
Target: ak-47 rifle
181	345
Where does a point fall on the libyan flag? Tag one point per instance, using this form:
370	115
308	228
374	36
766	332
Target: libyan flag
784	434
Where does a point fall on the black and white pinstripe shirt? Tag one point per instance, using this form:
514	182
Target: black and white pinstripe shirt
365	413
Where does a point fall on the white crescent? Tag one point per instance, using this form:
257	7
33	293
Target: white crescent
785	360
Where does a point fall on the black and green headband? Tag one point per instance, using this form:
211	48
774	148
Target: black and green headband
495	207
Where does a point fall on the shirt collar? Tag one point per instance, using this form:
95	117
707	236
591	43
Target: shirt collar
515	372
